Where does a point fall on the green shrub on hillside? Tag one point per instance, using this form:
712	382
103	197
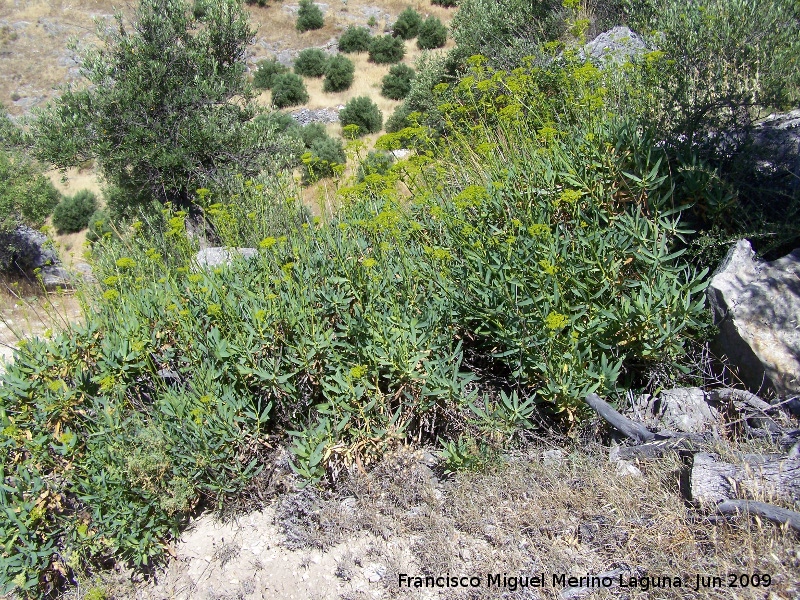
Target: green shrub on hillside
309	16
355	39
339	74
312	132
445	3
26	195
73	212
505	31
265	74
407	24
99	226
177	112
311	62
386	49
397	83
324	155
432	34
288	90
375	163
363	113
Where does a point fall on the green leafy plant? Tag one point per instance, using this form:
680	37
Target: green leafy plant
407	24
265	74
386	49
26	195
375	163
176	111
325	154
309	16
355	39
311	62
397	83
73	212
339	74
432	34
363	113
445	3
288	90
99	226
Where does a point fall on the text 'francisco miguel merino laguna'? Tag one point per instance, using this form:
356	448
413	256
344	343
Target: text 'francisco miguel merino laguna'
558	580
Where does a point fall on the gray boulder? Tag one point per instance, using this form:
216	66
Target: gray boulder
615	46
26	249
756	305
776	141
218	256
55	277
680	409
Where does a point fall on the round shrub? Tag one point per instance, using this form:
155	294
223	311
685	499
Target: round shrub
338	74
376	163
355	39
407	24
322	158
386	49
397	83
309	16
288	90
99	225
281	121
432	34
364	113
445	3
312	132
311	62
266	72
73	213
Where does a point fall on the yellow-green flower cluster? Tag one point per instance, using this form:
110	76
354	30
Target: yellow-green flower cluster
555	321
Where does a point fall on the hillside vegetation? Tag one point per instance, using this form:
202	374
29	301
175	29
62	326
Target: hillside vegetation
549	236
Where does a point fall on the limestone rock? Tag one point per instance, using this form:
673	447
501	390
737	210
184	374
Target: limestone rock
217	256
615	46
26	249
680	409
56	277
756	305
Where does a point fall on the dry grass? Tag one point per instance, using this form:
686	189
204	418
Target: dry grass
576	515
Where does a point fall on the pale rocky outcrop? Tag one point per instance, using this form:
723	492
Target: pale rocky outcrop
756	305
218	256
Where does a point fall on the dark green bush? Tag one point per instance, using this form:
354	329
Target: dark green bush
265	74
169	95
397	83
288	90
311	62
375	163
432	34
386	49
324	155
445	3
99	225
407	24
355	39
281	121
364	113
73	213
338	74
26	195
309	16
312	132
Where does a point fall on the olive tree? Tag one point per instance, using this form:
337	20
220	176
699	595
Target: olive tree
166	107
